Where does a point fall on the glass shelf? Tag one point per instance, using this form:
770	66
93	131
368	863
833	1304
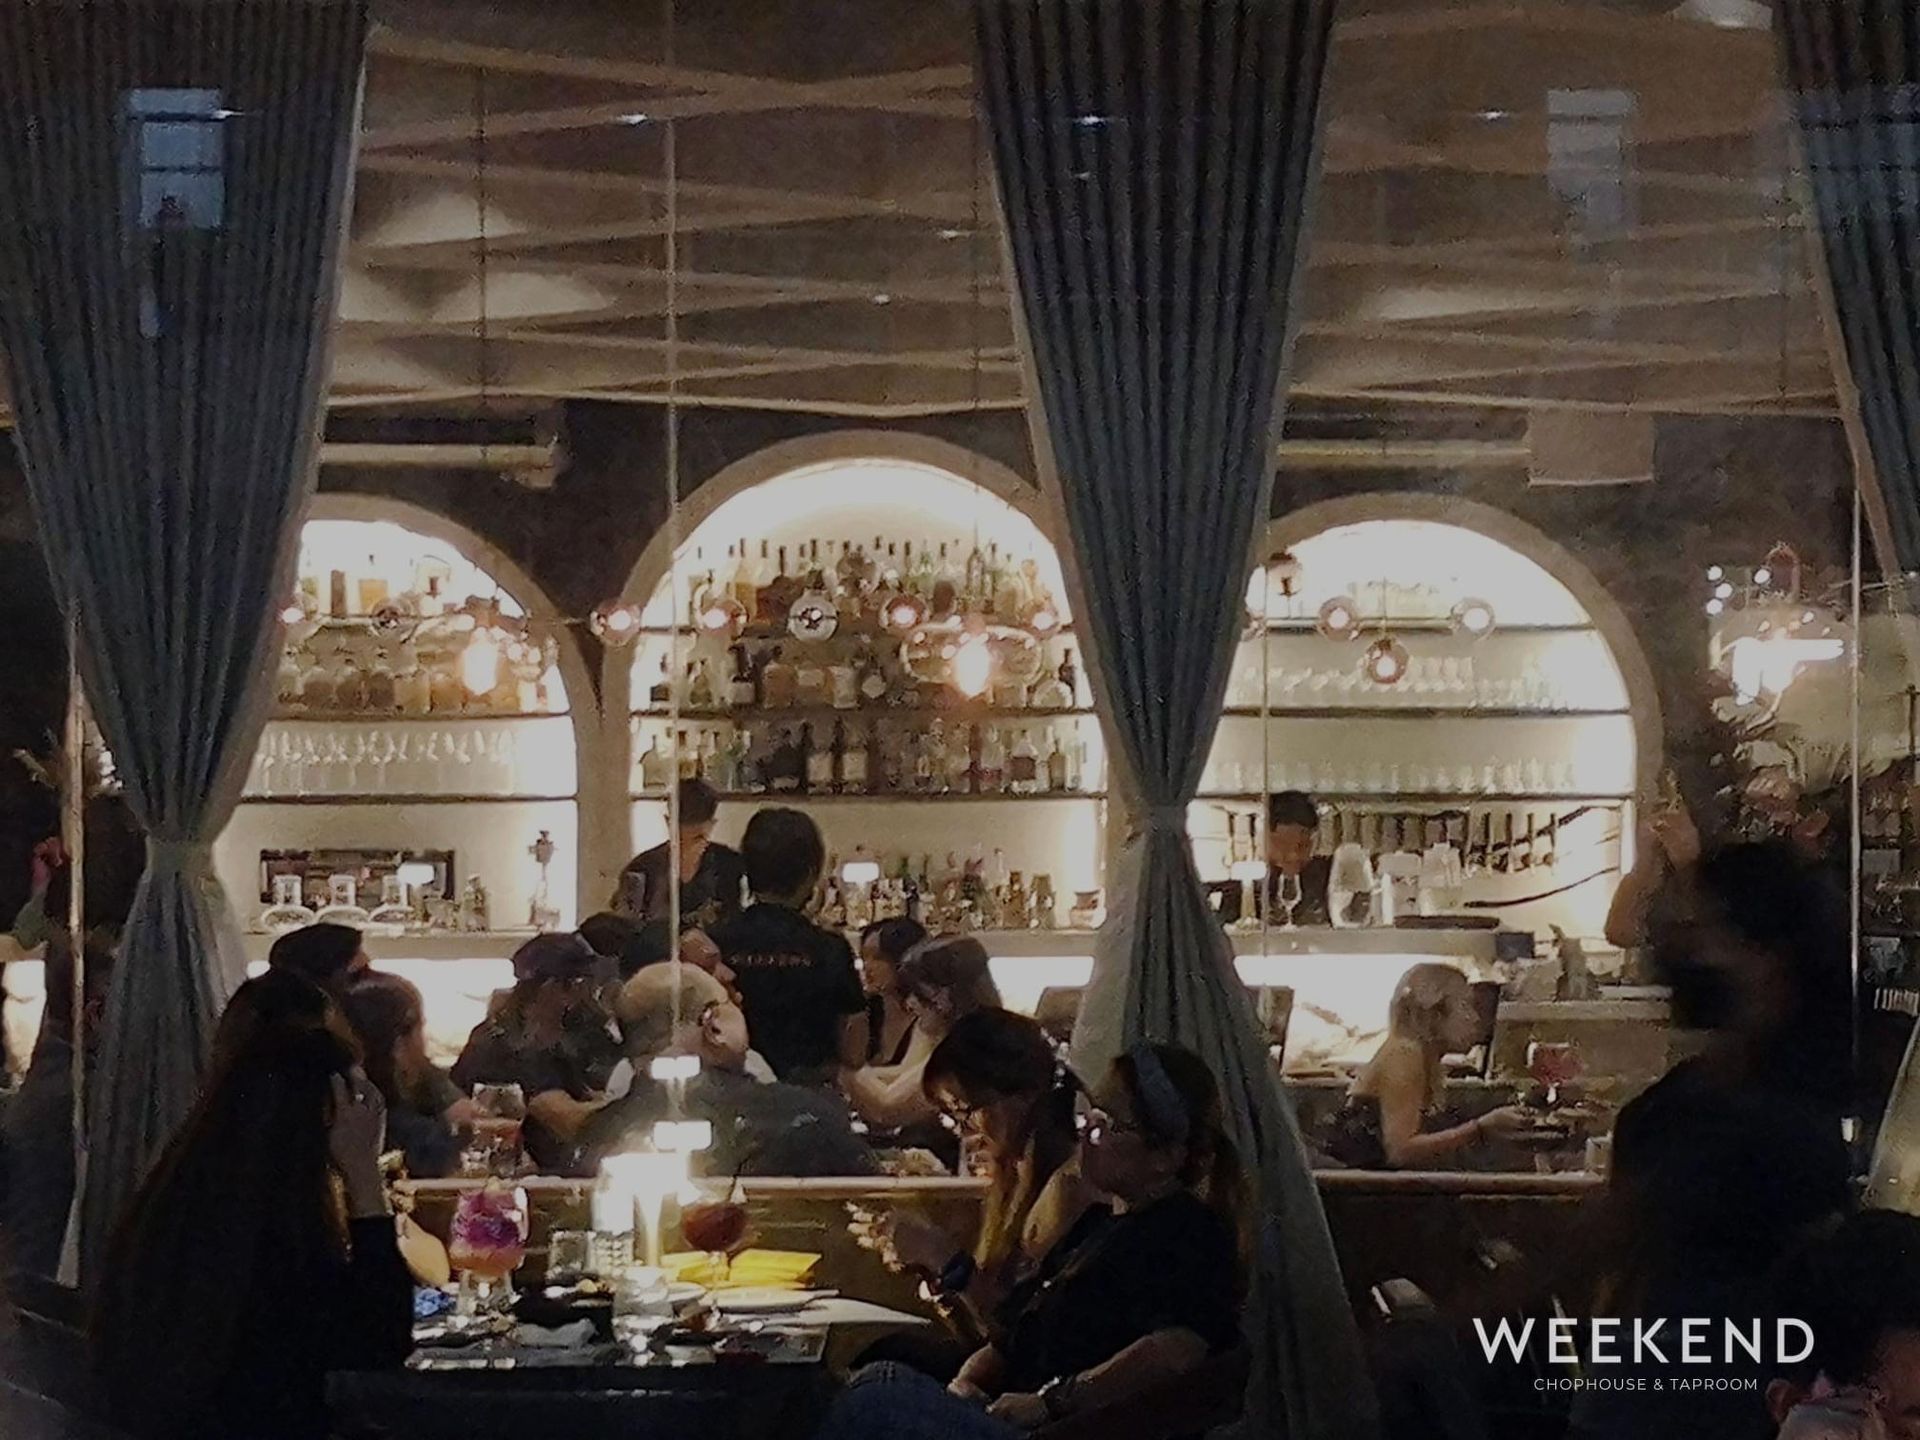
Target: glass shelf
355	798
808	797
1414	712
759	714
1458	798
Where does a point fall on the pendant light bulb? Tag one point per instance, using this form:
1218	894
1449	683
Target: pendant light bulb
614	623
972	665
1385	662
480	662
1473	618
1339	618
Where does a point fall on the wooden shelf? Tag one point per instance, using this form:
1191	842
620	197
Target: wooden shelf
798	714
804	797
1452	798
399	800
1374	625
1412	712
356	717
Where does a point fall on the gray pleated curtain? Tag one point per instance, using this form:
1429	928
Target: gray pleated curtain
175	175
1156	160
1854	68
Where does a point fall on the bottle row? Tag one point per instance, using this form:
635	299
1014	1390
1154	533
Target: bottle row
857	675
471	672
1431	681
858	582
1492	775
853	758
1508	841
977	893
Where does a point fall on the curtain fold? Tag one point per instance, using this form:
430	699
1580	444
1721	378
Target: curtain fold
1854	69
177	175
1155	162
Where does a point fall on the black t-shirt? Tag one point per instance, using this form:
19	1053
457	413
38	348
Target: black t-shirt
712	895
1115	1279
495	1056
797	984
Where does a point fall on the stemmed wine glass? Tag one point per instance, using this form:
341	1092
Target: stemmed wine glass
1289	898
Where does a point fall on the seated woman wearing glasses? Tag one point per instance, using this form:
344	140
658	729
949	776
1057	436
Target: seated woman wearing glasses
996	1079
1128	1298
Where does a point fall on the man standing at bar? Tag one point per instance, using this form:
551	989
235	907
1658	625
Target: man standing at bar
1293	820
797	982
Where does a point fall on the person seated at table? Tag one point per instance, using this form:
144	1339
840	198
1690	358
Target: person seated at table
940	980
260	1253
1858	1290
998	1079
1131	1297
331	956
649	947
608	935
759	1128
797	982
425	1112
1395	1115
883	945
709	873
529	1039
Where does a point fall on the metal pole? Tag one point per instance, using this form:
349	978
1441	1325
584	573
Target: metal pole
73	839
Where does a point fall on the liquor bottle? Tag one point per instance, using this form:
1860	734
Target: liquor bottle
1010	599
910	895
1016	908
785	766
1052	693
1056	767
810	680
973	581
778	683
1077	761
654	767
1045	906
1023	766
833	906
699	686
929	760
374	588
919	571
382	690
661	692
843	686
742	690
993	762
1069	674
962	774
686	757
872	676
350	687
854	767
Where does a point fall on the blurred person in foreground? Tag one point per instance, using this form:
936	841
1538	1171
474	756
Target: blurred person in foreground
997	1078
331	956
1728	1162
260	1253
759	1128
1131	1297
797	982
1858	1291
530	1039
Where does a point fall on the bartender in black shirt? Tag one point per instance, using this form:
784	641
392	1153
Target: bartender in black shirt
1293	820
709	871
797	982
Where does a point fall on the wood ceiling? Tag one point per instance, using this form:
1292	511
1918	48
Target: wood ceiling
1639	247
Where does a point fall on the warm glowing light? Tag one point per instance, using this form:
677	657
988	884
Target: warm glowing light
1385	662
674	1067
614	623
1044	621
1340	618
480	662
682	1137
292	613
1723	591
901	613
972	665
647	1180
721	615
1714	607
1248	872
1716	572
1473	617
1763	576
858	871
1768	666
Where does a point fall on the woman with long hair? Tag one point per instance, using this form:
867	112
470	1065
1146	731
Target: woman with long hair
1395	1115
260	1253
883	945
1131	1297
424	1111
941	980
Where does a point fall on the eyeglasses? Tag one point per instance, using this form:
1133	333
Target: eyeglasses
958	1116
1097	1126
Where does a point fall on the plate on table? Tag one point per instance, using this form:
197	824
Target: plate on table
682	1293
765	1300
